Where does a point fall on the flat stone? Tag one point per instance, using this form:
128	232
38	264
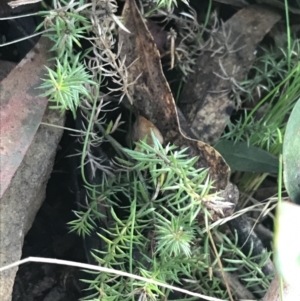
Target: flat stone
23	198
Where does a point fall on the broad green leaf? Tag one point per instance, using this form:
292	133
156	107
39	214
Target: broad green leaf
291	155
287	242
242	157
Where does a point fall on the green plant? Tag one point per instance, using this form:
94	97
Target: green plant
258	127
269	69
65	26
67	84
163	230
159	234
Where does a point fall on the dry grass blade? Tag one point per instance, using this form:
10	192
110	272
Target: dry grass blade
17	3
105	270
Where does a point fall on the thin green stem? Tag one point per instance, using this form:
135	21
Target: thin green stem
280	168
288	33
267	97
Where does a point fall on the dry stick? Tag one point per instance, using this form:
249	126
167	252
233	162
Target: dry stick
106	270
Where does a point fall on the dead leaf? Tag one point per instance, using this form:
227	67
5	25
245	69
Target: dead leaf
153	98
